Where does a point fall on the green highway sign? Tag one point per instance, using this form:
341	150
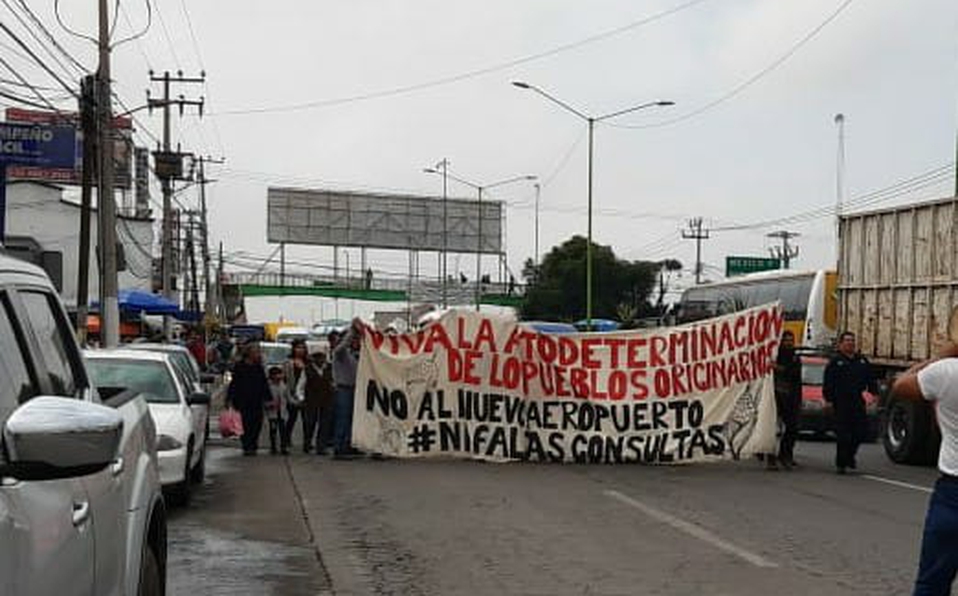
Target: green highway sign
743	265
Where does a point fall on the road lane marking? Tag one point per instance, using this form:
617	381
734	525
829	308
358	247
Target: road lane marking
898	483
692	530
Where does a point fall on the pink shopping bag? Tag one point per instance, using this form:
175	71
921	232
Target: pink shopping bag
231	424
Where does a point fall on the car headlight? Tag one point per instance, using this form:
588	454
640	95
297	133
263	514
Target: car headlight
167	443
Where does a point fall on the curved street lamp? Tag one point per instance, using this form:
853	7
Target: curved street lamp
480	188
591	120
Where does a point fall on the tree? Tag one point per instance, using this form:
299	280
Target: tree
556	288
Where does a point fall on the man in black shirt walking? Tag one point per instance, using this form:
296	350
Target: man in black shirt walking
847	376
788	400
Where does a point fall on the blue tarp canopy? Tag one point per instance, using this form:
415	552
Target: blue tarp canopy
145	302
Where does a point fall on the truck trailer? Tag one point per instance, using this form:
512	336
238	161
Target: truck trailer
897	292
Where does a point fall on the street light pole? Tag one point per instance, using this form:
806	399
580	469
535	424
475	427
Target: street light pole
536	259
480	188
588	246
591	120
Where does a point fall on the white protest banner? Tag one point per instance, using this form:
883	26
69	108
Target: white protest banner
488	388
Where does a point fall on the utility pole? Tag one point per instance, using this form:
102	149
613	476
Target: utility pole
698	233
169	167
204	224
194	298
109	306
786	252
88	126
220	303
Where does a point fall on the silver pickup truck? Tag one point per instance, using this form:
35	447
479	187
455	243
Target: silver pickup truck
81	510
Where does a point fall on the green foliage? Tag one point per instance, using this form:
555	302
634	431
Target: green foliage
621	288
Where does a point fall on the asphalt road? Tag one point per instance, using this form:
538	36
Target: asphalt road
309	525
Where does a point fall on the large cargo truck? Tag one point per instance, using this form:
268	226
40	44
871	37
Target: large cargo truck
898	289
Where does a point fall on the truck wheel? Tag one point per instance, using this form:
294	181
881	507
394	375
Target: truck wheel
907	431
150	583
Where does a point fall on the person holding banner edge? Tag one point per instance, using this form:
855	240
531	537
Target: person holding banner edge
936	380
345	356
788	401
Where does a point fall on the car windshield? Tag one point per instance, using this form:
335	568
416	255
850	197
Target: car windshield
182	361
813	374
276	354
151	378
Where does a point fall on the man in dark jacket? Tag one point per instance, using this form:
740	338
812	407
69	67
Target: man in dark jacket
847	376
248	392
788	399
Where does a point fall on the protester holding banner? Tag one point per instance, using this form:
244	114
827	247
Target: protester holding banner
847	376
788	400
345	363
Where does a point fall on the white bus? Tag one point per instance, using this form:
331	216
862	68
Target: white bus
808	299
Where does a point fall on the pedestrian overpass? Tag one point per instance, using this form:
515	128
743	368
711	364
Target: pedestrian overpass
393	289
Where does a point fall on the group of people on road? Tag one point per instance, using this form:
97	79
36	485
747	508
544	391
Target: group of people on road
313	388
847	376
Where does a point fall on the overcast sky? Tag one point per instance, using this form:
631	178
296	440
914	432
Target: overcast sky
769	151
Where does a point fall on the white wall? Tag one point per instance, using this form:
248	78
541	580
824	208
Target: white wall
38	211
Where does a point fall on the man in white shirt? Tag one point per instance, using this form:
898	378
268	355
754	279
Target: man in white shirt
937	381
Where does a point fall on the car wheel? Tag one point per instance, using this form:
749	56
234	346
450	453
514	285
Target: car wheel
181	492
198	473
151	582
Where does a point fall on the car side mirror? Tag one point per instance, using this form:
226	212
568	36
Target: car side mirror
56	437
207	378
199	399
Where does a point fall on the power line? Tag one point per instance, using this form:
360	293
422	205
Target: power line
38	24
755	78
37	59
139	42
27	84
471	74
898	189
24	101
53	40
63	25
189	26
136	35
169	40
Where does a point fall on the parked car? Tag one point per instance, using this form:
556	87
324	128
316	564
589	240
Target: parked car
81	510
185	362
179	411
815	417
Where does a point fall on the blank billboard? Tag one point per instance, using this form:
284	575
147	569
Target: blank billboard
403	222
